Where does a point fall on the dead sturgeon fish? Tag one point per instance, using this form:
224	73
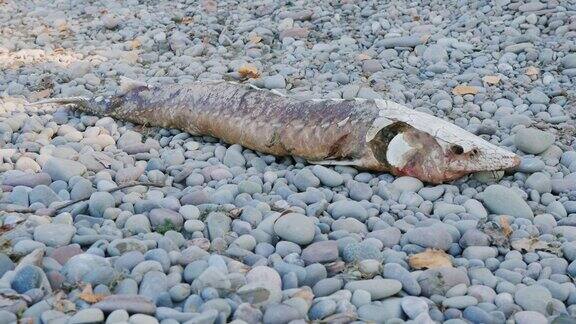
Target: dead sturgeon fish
377	135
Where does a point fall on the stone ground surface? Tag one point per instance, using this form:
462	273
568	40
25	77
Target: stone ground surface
231	235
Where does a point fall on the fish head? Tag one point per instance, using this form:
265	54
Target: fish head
416	144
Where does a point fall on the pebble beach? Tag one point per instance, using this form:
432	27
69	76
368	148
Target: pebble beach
173	228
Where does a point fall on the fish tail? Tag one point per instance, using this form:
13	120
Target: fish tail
87	104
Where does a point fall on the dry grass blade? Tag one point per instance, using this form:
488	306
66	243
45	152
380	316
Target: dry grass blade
430	259
249	72
464	90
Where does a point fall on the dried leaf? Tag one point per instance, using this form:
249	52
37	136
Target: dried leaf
531	245
531	70
135	44
61	304
186	20
491	79
464	90
41	94
305	294
235	213
249	72
89	296
363	56
255	39
430	259
505	225
6	228
209	5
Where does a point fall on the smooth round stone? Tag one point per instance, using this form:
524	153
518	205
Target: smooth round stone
388	236
89	268
540	182
81	189
63	169
6	264
476	314
378	288
99	202
165	217
450	278
359	191
322	309
280	314
369	267
249	187
305	179
414	306
480	252
189	212
153	285
88	315
54	235
533	298
28	277
530	317
7	317
121	246
296	228
328	177
265	275
327	286
350	225
361	297
459	302
129	303
43	194
531	164
129	260
409	282
276	81
505	201
533	141
383	312
247	313
118	316
321	252
361	251
218	225
407	184
194	225
348	208
431	237
137	224
179	292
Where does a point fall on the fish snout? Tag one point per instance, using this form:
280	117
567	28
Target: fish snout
492	158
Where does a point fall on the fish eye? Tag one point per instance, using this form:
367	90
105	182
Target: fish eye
457	149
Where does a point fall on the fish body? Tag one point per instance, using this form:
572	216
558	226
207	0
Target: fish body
377	135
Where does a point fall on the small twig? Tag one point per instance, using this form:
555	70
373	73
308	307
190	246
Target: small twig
53	211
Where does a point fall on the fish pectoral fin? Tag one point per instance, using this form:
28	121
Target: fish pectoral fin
127	85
